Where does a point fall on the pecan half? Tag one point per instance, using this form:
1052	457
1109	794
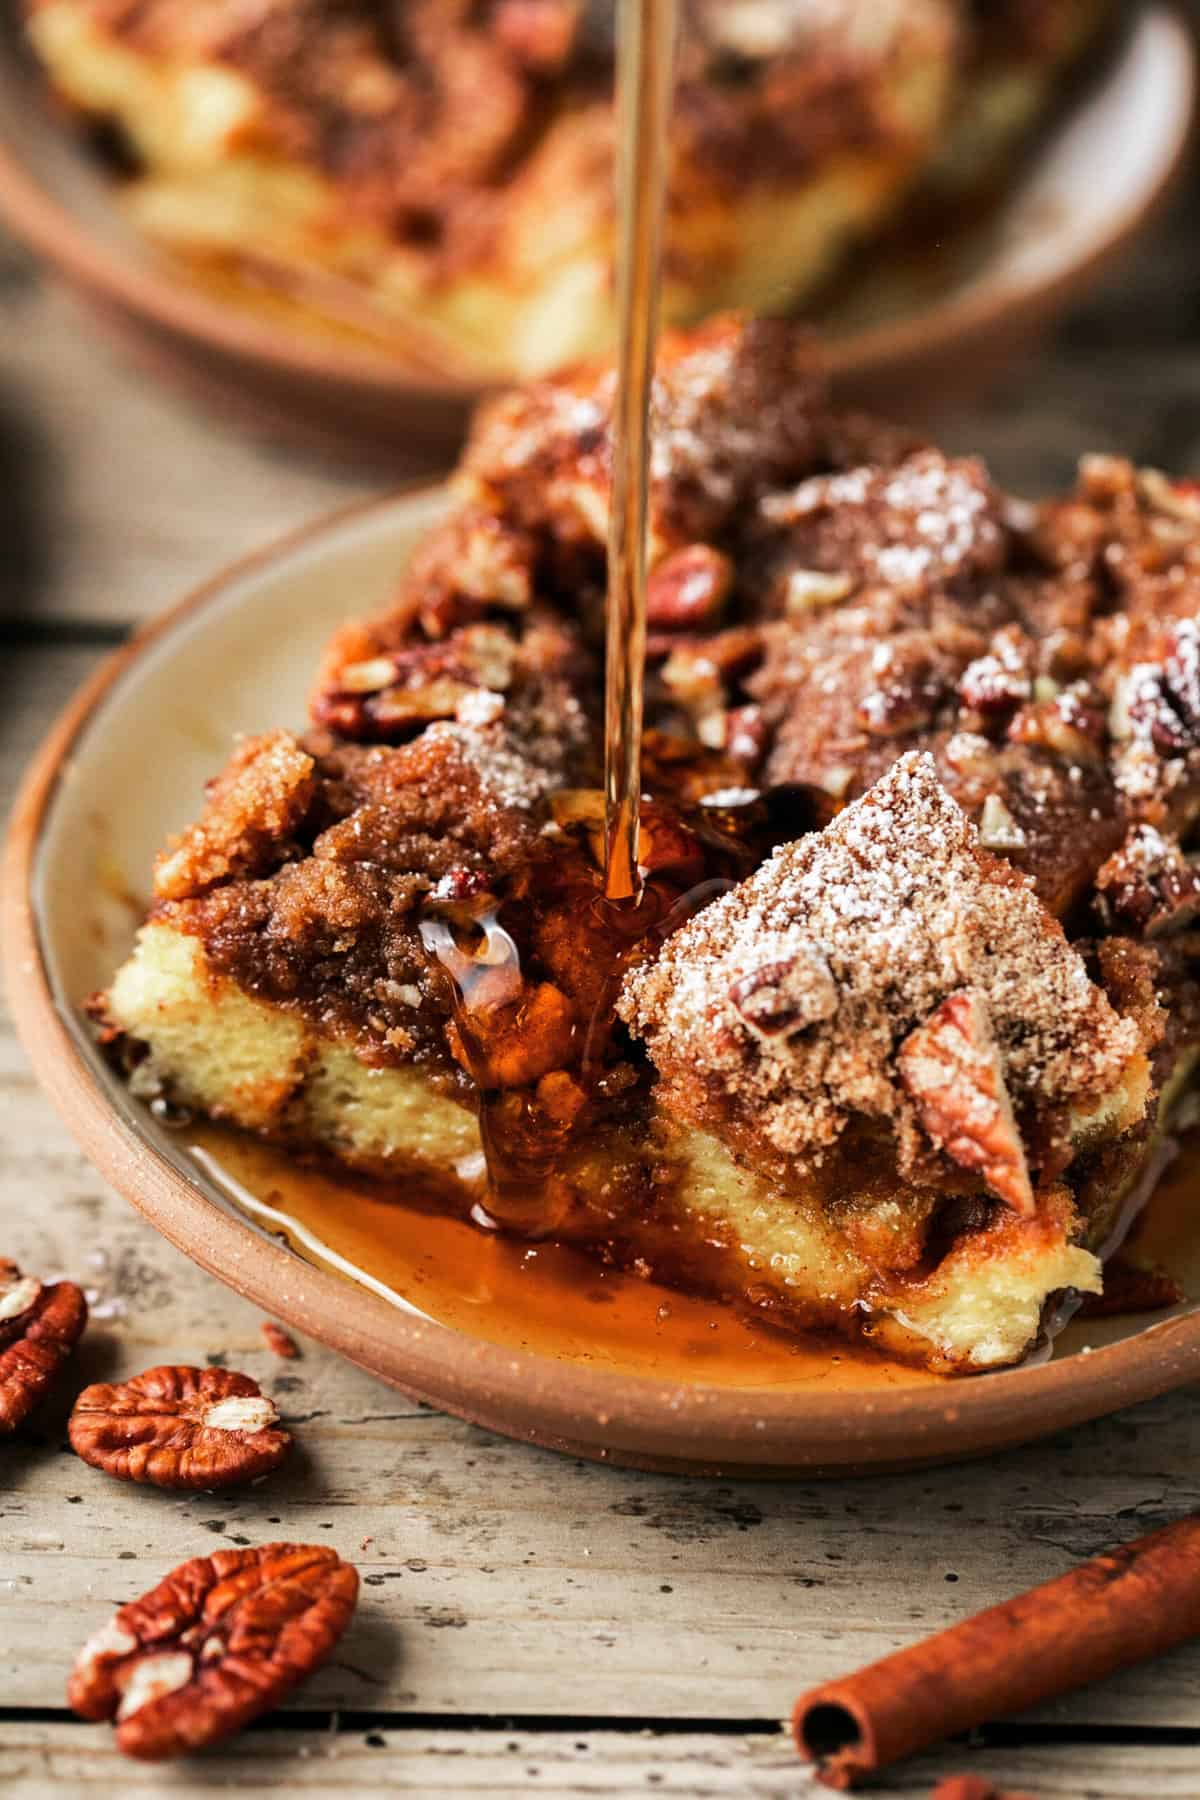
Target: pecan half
179	1428
216	1643
951	1069
40	1325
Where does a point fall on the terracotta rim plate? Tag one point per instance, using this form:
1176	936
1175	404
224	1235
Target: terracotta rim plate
122	767
1096	177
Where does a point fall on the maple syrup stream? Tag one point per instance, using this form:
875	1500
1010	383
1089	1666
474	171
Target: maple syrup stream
524	1140
645	61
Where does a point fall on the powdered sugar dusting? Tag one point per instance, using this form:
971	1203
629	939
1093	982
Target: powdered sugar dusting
902	907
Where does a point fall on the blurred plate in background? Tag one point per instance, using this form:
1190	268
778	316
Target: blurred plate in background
913	329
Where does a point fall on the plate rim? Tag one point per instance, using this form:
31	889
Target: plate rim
627	1419
164	302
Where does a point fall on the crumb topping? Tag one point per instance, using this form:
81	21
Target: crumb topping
928	700
890	909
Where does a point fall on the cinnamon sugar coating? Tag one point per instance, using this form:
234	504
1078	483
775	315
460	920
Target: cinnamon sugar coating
886	913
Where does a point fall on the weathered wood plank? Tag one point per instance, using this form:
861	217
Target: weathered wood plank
37	1761
35	684
116	496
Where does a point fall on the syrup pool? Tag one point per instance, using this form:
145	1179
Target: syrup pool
556	1301
540	1297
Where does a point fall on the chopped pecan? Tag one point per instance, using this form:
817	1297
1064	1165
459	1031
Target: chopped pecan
1066	724
39	1327
951	1069
1179	499
398	691
746	733
998	830
539	33
281	1342
1148	886
806	590
783	997
896	708
217	1642
688	588
179	1428
1000	680
1159	702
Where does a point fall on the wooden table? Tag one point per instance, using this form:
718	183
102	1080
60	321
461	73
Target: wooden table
527	1624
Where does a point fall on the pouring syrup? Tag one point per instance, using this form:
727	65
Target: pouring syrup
645	61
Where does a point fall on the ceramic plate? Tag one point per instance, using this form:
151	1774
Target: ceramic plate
123	767
903	337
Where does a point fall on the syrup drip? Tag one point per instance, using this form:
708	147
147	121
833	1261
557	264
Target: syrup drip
645	56
528	1129
528	1132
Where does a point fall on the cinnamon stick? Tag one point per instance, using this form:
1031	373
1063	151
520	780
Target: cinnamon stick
1121	1608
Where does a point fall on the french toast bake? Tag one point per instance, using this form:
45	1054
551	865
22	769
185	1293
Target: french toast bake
891	1044
446	167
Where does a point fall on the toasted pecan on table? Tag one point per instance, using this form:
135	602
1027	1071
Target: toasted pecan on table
40	1324
279	1341
220	1640
178	1427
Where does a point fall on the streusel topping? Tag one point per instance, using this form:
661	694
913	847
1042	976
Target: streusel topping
788	998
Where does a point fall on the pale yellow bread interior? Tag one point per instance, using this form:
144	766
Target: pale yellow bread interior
216	1049
543	295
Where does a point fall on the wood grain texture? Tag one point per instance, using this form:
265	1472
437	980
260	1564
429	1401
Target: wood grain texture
115	496
45	1761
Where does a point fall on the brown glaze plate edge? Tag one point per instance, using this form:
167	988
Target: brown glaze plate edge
631	1421
937	336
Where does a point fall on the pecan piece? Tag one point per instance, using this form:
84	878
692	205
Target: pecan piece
1148	886
781	998
179	1428
951	1069
39	1327
220	1640
279	1341
688	588
1067	724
